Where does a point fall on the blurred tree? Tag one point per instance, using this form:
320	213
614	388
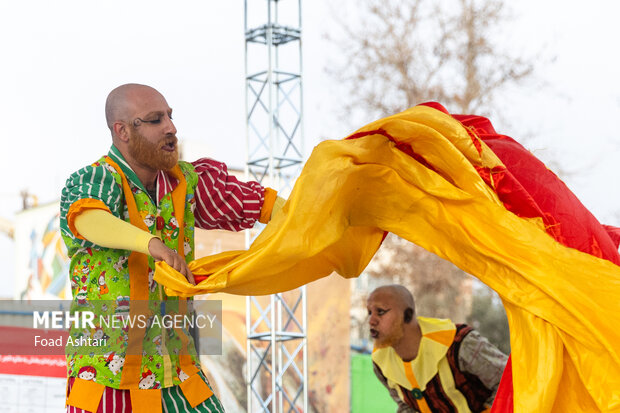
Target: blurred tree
403	52
489	317
440	288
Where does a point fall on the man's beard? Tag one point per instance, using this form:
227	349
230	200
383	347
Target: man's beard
391	337
150	154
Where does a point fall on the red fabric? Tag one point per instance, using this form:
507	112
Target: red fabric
533	187
614	234
399	145
527	188
503	402
112	401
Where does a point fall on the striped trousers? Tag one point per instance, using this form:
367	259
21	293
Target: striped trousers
172	401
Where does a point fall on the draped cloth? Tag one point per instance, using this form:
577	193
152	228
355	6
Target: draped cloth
430	178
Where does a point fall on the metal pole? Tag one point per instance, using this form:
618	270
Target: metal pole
274	137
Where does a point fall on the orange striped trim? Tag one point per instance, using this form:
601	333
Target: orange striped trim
268	200
178	203
445	337
412	380
138	290
185	359
139	284
134	215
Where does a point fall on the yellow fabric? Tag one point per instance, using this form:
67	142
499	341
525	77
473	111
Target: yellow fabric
431	352
85	395
195	390
277	205
393	368
106	230
168	367
145	400
562	304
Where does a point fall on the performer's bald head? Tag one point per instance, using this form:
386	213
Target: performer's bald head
391	315
397	294
121	102
140	121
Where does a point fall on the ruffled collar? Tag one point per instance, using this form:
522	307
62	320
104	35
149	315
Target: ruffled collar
437	336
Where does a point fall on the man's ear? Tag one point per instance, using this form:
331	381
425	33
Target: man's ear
408	316
121	131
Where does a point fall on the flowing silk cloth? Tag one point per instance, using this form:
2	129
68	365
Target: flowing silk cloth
432	180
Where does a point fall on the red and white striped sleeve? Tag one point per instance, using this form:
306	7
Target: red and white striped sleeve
223	202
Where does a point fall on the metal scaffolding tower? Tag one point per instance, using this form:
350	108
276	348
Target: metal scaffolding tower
276	325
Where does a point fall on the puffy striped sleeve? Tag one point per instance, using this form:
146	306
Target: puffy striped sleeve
92	187
222	201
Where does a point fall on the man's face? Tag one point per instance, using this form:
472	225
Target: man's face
152	135
159	155
385	318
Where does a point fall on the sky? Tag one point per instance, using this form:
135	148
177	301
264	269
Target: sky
60	59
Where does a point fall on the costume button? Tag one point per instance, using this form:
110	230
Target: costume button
160	223
417	393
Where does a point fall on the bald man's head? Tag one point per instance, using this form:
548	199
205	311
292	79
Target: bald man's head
121	102
397	294
390	315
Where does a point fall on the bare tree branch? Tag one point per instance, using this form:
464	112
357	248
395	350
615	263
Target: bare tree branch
405	52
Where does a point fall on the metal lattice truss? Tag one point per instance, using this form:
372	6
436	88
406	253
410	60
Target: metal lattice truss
277	351
286	142
274	95
276	325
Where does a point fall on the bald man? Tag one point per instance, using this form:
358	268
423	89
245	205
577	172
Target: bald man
429	364
119	215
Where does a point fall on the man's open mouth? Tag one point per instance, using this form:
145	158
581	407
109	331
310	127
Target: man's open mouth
169	146
374	333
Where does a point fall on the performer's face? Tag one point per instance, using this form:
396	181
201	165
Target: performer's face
161	154
385	318
152	134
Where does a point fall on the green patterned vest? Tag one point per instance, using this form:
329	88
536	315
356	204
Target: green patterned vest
100	281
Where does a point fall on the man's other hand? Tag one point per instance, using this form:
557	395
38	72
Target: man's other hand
161	252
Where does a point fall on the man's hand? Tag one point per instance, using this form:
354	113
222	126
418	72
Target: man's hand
161	252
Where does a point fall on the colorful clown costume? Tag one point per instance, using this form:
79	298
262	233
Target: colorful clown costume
456	369
149	364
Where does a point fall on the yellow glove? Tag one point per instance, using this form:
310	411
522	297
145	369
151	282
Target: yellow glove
104	229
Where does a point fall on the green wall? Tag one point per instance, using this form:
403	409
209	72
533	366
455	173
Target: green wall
368	395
